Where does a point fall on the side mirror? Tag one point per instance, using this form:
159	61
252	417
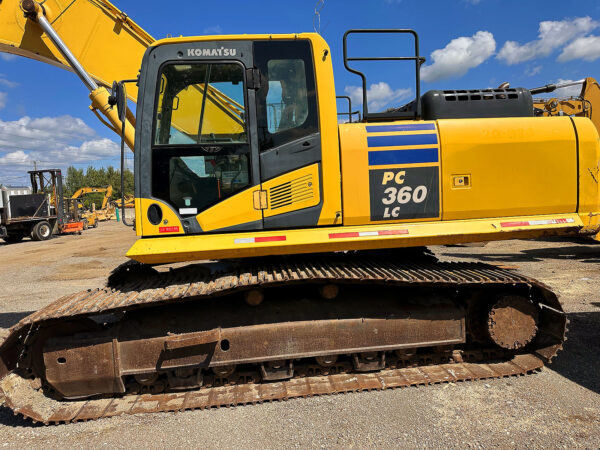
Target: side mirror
119	97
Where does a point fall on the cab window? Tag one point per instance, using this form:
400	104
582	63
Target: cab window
287	98
200	153
200	103
287	102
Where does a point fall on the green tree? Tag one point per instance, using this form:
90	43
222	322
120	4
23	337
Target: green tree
103	177
74	180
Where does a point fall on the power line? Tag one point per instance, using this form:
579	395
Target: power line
15	178
20	147
26	163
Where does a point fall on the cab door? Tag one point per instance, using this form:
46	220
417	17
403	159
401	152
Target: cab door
289	140
205	150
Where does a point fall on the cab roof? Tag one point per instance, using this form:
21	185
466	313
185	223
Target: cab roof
235	37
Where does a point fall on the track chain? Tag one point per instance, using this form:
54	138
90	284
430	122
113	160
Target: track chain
25	398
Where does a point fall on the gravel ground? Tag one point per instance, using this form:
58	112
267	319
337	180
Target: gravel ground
559	407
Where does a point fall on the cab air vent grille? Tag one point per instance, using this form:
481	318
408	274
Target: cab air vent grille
291	192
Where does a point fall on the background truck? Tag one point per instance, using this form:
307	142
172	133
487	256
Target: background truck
38	214
39	211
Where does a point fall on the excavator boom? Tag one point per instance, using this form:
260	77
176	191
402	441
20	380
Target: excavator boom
107	43
100	44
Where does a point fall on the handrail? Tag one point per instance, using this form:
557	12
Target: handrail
417	59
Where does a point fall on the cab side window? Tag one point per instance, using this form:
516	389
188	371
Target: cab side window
287	99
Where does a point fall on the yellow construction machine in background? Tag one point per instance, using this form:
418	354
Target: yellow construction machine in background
129	202
93	214
575	106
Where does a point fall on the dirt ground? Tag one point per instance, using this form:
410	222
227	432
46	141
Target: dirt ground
559	407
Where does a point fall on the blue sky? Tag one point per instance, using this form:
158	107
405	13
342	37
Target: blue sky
467	43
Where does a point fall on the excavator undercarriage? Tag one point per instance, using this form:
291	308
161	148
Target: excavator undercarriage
227	333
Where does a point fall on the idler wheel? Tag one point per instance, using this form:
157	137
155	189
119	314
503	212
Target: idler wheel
512	322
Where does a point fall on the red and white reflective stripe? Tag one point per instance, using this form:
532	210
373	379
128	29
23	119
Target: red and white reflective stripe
355	234
531	223
256	240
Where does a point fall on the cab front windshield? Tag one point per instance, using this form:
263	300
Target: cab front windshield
200	104
200	154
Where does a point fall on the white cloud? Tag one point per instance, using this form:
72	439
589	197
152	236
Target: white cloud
43	133
7	83
586	48
17	158
7	56
54	141
552	35
213	30
88	151
533	70
460	55
379	95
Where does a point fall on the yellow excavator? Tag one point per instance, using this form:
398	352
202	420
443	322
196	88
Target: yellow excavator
576	106
313	279
127	202
106	211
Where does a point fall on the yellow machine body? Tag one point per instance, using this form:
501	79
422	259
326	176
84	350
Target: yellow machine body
486	179
487	191
238	153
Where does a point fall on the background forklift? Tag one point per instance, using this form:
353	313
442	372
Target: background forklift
39	214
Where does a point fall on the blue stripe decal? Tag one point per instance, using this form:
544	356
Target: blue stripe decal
386	128
408	156
401	140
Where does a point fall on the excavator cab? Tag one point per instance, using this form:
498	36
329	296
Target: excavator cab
233	139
